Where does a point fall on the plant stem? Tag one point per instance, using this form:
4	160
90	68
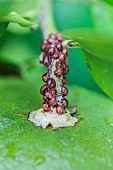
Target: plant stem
46	19
48	27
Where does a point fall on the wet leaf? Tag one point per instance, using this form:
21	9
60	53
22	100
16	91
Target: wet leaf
87	145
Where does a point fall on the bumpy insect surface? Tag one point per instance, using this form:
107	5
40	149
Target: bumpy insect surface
55	59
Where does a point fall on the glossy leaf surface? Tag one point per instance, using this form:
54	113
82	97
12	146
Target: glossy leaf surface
87	145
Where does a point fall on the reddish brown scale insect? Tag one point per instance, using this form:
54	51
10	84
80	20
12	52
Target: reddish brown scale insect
45	77
53	92
45	42
47	49
66	69
51	83
62	57
59	46
66	61
53	102
65	51
46	107
53	36
55	56
59	37
43	47
45	98
58	64
58	72
51	51
46	61
50	40
43	89
48	94
59	110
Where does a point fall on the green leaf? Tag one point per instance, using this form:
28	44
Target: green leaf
100	11
16	18
98	53
102	72
93	41
87	145
3	27
109	2
72	10
17	50
20	6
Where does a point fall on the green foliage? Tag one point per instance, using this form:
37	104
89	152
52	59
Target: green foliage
87	145
103	17
16	18
109	2
19	12
93	42
20	6
97	45
3	27
68	19
98	54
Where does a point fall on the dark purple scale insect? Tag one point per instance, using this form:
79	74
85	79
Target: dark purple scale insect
59	46
46	60
54	52
45	77
43	89
62	57
64	91
64	80
51	51
51	83
65	103
48	94
65	69
55	56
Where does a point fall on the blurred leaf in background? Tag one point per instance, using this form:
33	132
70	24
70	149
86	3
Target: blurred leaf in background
109	2
18	39
72	11
97	44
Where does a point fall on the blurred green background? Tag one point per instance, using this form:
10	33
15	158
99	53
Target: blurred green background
19	47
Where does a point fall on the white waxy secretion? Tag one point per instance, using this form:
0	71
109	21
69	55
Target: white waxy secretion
44	119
